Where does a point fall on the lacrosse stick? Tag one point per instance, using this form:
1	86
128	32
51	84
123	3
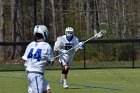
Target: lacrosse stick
99	34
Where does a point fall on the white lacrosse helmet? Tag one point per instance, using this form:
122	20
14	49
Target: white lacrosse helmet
42	29
69	30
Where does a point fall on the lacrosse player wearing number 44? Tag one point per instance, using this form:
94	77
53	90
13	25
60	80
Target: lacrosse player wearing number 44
66	46
37	54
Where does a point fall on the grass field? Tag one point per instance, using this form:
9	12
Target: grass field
80	81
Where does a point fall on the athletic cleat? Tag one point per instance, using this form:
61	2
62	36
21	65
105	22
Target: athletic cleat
65	86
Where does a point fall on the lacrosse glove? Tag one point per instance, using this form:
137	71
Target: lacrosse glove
64	51
80	45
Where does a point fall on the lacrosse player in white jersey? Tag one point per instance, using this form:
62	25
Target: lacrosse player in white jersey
36	55
62	45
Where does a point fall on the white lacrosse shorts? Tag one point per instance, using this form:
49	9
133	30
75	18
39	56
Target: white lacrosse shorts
37	83
65	59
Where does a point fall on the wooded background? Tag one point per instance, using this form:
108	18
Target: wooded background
120	18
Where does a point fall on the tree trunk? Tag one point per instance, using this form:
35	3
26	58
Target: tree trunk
53	24
124	18
87	18
14	12
116	19
96	15
1	30
61	16
43	9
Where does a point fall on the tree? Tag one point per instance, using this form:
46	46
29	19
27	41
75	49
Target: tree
53	19
1	29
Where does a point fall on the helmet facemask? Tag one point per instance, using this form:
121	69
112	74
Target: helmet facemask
69	33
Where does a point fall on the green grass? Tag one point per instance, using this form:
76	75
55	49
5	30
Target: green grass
78	64
80	81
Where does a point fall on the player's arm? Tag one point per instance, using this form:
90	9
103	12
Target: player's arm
79	45
50	59
58	44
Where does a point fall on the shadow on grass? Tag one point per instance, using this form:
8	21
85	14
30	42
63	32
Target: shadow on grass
87	86
74	88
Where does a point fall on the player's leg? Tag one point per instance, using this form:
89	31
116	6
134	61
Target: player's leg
64	60
47	91
36	82
29	89
61	78
29	85
65	70
46	87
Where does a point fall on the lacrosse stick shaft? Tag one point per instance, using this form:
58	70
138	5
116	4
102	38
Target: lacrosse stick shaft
89	39
66	52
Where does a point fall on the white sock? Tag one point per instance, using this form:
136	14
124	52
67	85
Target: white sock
65	81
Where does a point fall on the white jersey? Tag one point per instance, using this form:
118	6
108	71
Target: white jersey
63	44
36	56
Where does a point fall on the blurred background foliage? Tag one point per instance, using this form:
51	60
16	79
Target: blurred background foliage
120	18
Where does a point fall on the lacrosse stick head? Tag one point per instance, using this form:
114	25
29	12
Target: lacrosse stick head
100	34
103	32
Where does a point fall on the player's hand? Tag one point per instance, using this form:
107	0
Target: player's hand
80	45
64	51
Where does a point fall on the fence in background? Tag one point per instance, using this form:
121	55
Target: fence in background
124	53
